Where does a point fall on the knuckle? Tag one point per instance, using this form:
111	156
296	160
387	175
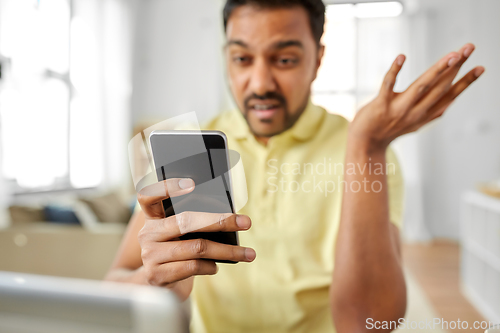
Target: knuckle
146	253
166	184
142	236
200	247
151	276
164	223
418	117
388	81
143	197
176	251
183	220
193	266
237	254
210	268
422	88
222	221
439	113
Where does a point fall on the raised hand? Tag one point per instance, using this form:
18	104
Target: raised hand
392	114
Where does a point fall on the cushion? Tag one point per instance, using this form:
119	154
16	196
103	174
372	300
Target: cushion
60	214
109	208
23	214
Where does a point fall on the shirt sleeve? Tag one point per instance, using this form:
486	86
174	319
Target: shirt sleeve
395	188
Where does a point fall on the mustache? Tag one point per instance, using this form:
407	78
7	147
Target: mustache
268	95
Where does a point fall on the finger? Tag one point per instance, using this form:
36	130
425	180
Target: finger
165	189
426	80
161	230
464	53
199	249
438	109
441	83
467	50
445	80
390	78
438	89
171	272
186	203
450	73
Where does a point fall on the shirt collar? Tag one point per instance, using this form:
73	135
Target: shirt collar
303	129
308	123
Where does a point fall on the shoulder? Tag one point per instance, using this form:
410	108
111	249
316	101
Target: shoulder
330	121
333	128
222	121
335	120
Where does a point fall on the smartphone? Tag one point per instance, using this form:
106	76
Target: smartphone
202	156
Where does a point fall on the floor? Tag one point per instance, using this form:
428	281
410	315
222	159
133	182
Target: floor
435	267
419	310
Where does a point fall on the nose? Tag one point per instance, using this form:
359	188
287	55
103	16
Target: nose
261	79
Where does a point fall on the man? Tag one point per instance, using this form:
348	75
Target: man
301	230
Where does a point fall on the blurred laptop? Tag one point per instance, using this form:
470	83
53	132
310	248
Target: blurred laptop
39	304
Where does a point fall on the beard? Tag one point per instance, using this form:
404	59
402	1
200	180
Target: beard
272	126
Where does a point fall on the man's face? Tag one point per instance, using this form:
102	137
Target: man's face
272	60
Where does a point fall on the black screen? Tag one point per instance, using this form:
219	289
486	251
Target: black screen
202	157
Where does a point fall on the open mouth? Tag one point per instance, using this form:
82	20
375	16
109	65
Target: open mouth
264	110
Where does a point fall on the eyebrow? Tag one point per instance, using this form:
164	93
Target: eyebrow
278	45
236	42
288	43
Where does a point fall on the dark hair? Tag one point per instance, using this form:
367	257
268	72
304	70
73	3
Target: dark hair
315	9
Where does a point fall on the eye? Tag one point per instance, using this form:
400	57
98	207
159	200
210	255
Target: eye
241	60
287	61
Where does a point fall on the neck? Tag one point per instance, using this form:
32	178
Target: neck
262	139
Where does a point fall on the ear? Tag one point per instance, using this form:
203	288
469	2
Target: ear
320	53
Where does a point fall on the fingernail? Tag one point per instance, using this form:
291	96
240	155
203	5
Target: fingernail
452	61
478	72
250	254
400	60
243	222
186	183
467	52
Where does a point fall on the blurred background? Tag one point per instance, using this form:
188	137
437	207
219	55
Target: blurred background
78	78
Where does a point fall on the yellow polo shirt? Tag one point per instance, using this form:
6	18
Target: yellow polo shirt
294	201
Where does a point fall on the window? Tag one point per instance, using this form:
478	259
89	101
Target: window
361	42
49	97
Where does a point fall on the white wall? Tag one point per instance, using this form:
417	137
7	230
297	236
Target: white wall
463	147
177	62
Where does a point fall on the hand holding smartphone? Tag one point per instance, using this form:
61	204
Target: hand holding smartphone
190	221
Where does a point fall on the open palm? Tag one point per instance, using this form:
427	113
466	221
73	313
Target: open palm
392	114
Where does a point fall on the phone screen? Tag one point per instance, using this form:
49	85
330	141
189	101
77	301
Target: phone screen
203	158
